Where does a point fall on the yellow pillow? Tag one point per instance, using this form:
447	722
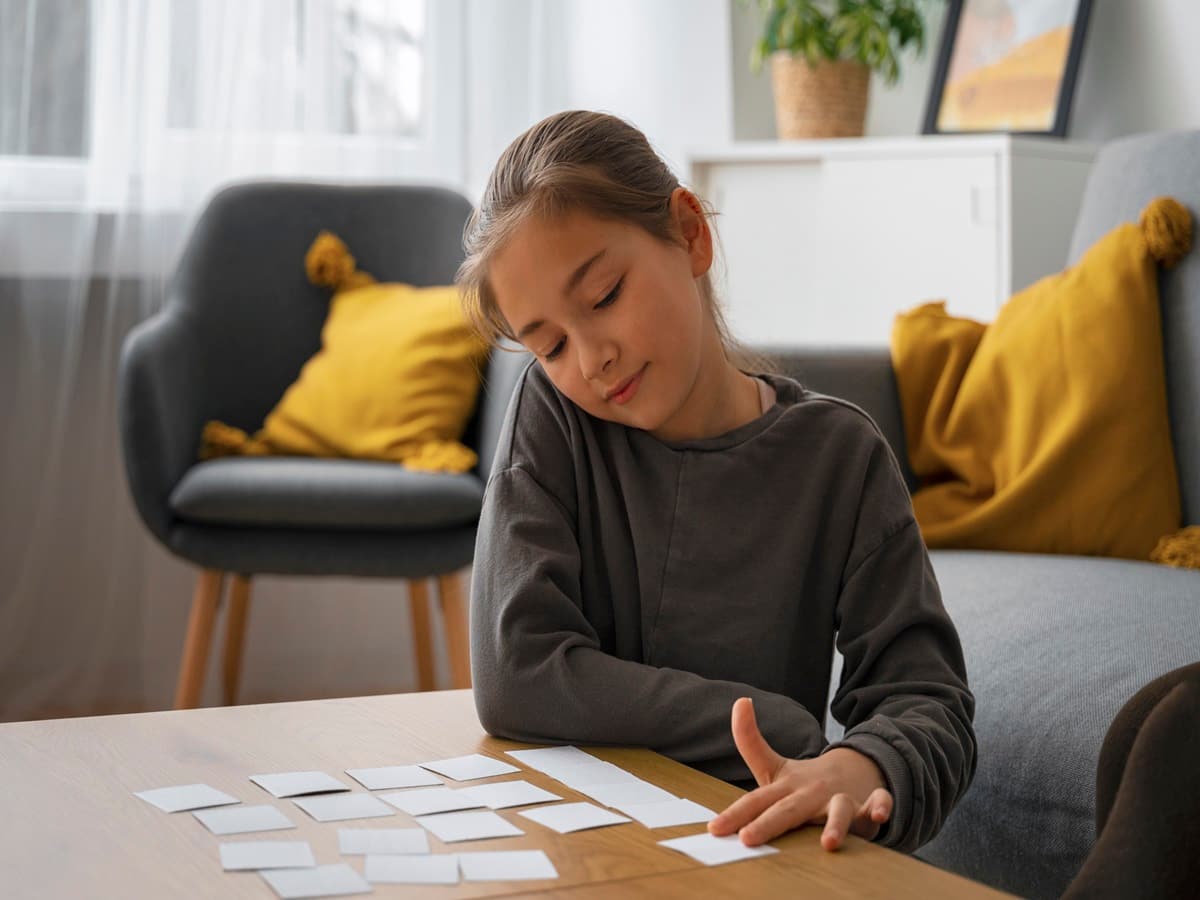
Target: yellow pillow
1047	430
396	378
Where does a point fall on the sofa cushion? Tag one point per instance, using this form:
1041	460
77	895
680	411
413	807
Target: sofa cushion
1054	646
322	493
395	380
1046	430
1127	173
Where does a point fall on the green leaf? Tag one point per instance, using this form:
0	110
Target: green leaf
874	32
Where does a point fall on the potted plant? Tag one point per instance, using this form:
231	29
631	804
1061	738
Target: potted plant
822	53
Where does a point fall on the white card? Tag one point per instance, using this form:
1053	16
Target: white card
390	777
626	793
241	855
565	817
186	796
468	768
337	807
430	800
367	841
441	868
713	851
544	757
322	881
506	865
598	772
293	784
668	812
503	794
468	826
243	819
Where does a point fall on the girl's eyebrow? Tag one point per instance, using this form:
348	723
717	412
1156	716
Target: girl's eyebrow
573	282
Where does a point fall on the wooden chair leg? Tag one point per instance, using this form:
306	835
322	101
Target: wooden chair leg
235	634
199	635
453	594
422	634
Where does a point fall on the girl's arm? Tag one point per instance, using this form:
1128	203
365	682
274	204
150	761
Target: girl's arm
538	671
903	696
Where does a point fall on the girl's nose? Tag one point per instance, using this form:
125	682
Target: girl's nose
596	359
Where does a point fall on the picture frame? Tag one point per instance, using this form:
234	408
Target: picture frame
1007	66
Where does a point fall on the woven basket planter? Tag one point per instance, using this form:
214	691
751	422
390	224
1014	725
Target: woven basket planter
827	100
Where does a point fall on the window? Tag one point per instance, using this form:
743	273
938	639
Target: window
106	103
351	67
53	82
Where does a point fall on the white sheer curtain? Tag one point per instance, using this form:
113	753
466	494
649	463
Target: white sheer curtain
118	118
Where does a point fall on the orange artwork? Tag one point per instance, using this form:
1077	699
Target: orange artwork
1007	68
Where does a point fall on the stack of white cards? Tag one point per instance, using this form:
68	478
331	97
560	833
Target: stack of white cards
453	815
612	786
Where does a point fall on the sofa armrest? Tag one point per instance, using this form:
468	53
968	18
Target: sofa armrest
864	376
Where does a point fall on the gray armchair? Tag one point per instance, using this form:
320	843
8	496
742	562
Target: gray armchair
239	322
1056	644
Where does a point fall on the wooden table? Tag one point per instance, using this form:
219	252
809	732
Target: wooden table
72	827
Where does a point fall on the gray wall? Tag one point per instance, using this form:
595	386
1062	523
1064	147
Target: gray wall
1140	72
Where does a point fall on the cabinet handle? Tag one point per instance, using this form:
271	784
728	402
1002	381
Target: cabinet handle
983	206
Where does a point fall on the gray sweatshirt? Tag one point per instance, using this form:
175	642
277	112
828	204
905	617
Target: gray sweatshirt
628	590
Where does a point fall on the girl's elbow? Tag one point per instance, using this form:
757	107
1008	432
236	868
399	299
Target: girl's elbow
498	709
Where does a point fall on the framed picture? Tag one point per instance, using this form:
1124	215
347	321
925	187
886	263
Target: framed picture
1007	66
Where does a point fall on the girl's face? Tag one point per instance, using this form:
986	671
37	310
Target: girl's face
615	316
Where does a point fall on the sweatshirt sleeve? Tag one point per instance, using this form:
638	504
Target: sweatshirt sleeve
540	674
903	696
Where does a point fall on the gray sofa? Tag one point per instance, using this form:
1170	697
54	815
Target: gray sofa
1055	645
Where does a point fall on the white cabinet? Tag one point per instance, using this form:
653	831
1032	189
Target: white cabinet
825	241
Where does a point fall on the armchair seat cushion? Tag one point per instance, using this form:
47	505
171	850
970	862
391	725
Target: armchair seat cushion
324	494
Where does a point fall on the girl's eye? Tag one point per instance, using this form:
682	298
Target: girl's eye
612	296
608	300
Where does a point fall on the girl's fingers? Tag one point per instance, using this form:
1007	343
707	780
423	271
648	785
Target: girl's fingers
879	805
792	811
745	808
761	759
872	815
839	819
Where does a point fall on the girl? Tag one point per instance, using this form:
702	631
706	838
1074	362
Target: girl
664	532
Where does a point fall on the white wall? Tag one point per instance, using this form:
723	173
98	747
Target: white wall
663	65
1140	72
1141	69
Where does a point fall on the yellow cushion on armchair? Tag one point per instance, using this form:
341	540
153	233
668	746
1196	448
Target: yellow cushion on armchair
1047	430
396	378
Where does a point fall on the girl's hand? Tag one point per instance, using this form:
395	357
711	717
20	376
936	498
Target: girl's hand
842	788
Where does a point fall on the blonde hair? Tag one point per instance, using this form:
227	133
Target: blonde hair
576	160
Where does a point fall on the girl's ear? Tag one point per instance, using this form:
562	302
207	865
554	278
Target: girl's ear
693	227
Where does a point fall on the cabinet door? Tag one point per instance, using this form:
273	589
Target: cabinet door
827	252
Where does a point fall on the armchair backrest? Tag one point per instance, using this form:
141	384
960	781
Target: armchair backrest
504	368
242	288
1127	174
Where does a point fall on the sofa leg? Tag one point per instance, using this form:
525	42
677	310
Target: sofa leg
235	635
199	635
453	594
422	634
